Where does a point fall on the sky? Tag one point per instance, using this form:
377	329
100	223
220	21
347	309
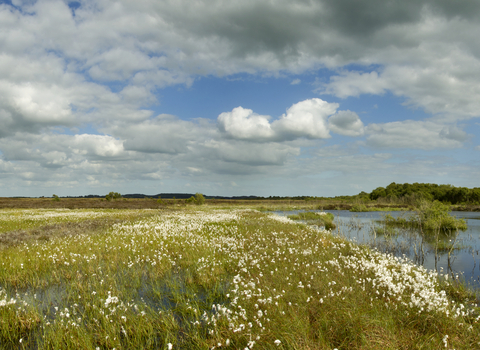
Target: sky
237	97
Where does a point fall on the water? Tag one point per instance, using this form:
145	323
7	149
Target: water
363	228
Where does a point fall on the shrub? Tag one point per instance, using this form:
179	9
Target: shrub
429	216
113	195
199	199
359	208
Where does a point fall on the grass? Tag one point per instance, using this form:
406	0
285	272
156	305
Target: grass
358	208
315	218
233	279
429	217
27	219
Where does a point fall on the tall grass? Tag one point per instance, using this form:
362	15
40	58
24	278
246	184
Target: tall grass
223	279
315	218
429	216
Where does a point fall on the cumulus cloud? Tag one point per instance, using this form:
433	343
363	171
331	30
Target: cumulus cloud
242	123
346	123
251	154
97	145
162	134
436	87
101	66
305	119
62	149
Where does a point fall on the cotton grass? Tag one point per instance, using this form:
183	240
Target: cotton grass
222	279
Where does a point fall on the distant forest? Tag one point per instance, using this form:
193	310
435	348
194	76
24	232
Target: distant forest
394	193
411	192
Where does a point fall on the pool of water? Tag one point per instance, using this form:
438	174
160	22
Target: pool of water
366	228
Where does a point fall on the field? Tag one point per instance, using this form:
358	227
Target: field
191	277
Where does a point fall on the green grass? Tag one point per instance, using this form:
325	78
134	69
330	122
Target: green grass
315	218
226	279
430	217
358	208
27	219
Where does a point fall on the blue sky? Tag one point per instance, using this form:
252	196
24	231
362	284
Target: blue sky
286	98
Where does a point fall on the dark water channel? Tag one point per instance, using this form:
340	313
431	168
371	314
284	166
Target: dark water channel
367	228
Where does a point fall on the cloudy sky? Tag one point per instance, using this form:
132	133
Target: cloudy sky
237	97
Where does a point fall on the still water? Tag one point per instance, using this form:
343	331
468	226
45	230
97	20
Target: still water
366	228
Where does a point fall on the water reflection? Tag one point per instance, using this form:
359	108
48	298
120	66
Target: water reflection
456	254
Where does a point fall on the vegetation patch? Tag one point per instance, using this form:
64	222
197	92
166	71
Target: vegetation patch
363	208
430	217
224	279
315	218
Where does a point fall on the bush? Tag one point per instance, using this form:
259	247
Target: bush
113	195
429	216
359	208
190	200
436	215
199	199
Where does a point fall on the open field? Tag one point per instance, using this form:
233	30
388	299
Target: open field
259	204
205	277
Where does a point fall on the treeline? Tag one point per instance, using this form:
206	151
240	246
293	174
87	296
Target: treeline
412	192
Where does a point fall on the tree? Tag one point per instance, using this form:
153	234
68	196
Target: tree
113	195
378	192
199	199
55	198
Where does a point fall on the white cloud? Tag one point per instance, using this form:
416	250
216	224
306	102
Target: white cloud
452	132
164	134
251	153
354	84
242	123
119	64
103	69
97	145
306	119
346	123
410	134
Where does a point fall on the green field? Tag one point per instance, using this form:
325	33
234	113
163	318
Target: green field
204	278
